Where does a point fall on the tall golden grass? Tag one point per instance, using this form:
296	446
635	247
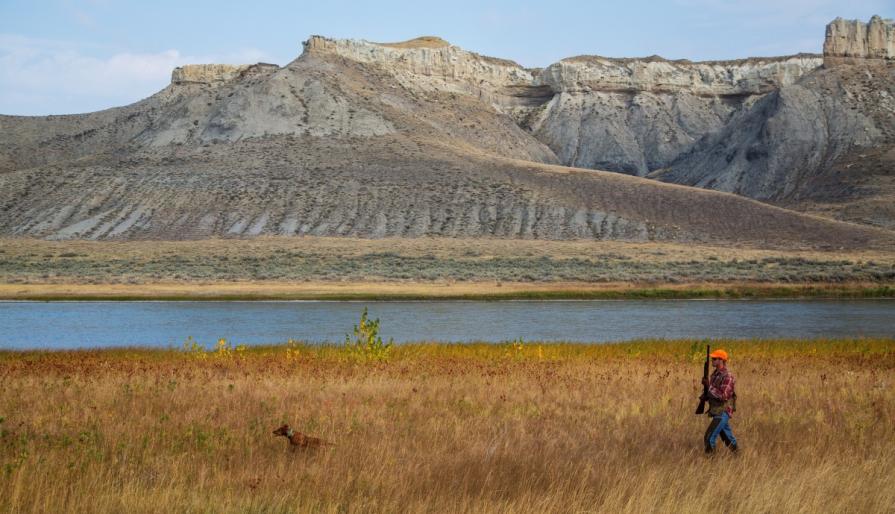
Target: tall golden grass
449	428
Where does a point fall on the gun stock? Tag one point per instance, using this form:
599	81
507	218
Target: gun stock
705	389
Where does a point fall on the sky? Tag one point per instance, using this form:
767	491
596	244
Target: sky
73	56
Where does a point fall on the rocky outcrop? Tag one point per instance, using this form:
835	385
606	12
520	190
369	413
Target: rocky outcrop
434	63
654	74
212	104
638	115
261	100
797	146
850	40
206	73
823	143
219	73
428	62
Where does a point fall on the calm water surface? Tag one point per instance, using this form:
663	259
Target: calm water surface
163	324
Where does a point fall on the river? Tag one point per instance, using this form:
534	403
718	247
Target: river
57	325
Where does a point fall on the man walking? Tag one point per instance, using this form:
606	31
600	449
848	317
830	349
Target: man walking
722	403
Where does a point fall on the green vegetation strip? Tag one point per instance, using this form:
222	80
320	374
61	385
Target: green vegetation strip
389	267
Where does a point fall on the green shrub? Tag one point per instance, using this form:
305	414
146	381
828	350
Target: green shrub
367	343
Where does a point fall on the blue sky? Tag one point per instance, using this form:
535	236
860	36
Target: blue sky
68	56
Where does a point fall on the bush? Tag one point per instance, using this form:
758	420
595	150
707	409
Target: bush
366	343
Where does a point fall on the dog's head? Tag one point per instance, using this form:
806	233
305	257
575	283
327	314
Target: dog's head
283	430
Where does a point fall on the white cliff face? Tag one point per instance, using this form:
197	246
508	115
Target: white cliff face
628	115
638	115
428	62
434	63
656	75
847	40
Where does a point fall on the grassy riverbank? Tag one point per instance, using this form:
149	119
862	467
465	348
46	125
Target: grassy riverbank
509	428
372	291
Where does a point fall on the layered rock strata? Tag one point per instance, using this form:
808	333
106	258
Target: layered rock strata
427	58
428	64
654	74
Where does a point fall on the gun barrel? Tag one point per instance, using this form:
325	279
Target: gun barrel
700	409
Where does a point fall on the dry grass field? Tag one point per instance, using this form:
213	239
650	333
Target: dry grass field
447	428
471	290
320	267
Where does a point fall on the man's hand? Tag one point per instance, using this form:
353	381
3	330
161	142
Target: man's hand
705	381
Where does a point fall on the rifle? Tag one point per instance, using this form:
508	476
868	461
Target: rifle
705	389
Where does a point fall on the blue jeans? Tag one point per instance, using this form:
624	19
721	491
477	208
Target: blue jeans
719	426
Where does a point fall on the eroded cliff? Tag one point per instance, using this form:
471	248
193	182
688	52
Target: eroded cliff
638	115
851	40
823	143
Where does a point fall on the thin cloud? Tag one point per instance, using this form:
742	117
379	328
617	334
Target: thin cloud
39	76
84	19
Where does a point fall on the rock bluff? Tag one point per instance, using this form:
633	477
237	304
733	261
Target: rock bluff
427	57
431	64
849	40
440	64
657	75
218	73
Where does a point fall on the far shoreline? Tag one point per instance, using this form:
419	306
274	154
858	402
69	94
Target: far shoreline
436	291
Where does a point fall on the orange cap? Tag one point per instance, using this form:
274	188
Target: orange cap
719	354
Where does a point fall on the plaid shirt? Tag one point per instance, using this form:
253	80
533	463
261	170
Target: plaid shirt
721	386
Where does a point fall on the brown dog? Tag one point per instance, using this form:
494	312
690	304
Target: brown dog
299	440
